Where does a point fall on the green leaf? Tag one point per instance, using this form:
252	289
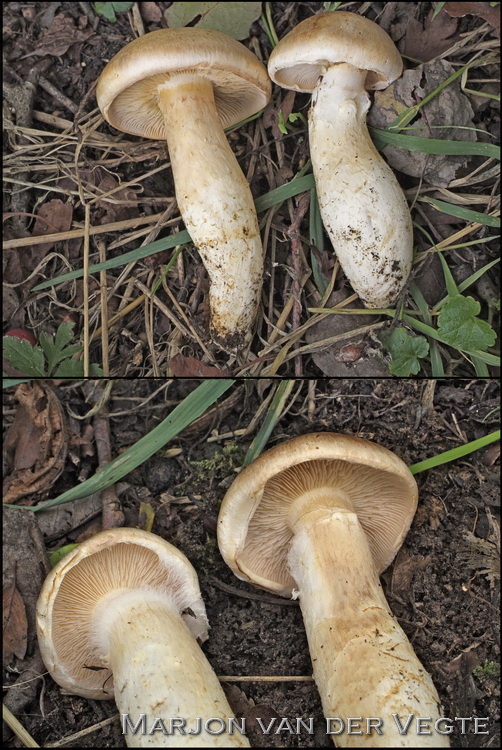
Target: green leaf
20	354
459	327
281	123
233	19
74	368
108	10
405	351
55	348
58	554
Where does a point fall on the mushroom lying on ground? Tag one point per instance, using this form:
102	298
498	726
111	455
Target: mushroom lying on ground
119	617
321	516
186	85
338	56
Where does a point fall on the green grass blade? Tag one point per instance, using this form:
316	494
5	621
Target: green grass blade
437	365
280	194
451	284
181	416
166	243
434	145
452	455
273	415
463	213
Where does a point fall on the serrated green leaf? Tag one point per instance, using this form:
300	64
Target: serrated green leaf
405	351
56	349
458	325
20	354
233	19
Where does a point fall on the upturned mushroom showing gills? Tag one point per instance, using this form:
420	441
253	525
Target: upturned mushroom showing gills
320	517
338	56
120	617
186	85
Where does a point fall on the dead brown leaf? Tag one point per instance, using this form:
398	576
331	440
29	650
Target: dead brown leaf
61	35
53	216
427	41
488	11
150	12
15	624
113	209
36	443
190	367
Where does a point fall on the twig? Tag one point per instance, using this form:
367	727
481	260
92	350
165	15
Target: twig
57	95
112	513
250	595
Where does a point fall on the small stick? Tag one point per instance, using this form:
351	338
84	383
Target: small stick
57	95
266	599
112	514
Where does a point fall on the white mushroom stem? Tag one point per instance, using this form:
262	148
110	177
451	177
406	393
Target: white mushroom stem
362	205
216	205
160	671
364	666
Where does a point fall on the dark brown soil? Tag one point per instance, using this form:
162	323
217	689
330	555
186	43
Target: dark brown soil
442	587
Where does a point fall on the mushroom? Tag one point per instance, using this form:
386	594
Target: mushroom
186	85
320	517
338	56
120	616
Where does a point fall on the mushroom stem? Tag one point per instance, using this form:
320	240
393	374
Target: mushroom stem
362	205
216	205
364	666
160	671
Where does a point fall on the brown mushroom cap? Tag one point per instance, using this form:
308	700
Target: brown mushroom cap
114	560
300	58
127	87
254	530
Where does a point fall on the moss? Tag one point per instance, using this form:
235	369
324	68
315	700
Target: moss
487	670
218	466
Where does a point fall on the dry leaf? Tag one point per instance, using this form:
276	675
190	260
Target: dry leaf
36	443
150	12
426	42
488	11
190	367
61	35
15	624
449	115
52	217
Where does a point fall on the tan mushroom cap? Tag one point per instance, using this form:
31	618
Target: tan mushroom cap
109	561
301	57
127	87
254	534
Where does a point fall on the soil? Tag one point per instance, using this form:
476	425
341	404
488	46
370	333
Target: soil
55	137
443	586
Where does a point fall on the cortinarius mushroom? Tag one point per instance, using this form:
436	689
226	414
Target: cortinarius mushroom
186	85
321	516
338	56
119	617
